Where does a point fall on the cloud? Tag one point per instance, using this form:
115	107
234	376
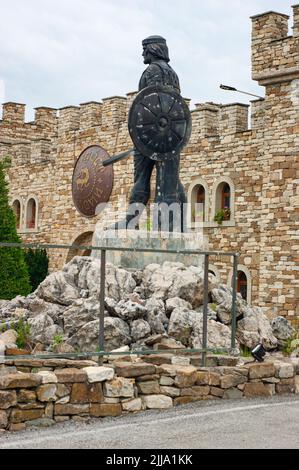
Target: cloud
65	52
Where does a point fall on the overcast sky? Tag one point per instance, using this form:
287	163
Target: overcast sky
65	52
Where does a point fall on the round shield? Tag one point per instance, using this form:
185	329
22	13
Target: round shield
92	182
159	122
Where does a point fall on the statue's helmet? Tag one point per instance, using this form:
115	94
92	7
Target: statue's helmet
157	46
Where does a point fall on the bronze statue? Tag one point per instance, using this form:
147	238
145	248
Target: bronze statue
159	125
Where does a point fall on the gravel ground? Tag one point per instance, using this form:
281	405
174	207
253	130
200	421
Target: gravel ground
257	423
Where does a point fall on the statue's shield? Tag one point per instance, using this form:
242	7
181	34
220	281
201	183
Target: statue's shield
92	182
159	122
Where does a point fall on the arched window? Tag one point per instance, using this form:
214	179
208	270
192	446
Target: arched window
198	198
199	201
242	284
31	214
17	210
225	197
224	201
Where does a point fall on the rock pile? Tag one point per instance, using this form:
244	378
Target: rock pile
143	309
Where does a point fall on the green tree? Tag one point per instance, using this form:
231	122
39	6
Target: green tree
14	277
38	263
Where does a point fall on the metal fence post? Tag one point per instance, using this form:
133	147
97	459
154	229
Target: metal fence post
205	312
233	312
102	304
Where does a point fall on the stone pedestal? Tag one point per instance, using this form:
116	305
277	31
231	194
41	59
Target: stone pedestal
141	239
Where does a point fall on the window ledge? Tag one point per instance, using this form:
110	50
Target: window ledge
28	230
210	224
225	223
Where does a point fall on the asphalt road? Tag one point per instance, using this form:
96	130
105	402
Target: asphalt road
246	424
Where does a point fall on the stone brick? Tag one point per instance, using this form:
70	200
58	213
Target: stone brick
20	381
214	379
203	378
196	391
170	391
17	427
149	388
46	392
166	381
186	376
158	359
132	405
70	375
256	390
284	370
20	416
126	369
217	392
84	393
26	396
105	409
259	371
232	394
48	377
71	409
7	399
3	419
99	374
157	401
286	386
229	381
120	387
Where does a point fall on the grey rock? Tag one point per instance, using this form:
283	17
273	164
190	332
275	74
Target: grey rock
58	288
82	311
282	328
181	325
117	334
255	328
222	297
156	316
176	302
129	311
139	329
43	330
175	280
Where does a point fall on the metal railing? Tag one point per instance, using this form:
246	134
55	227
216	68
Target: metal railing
103	249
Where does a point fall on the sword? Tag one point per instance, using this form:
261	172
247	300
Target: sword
118	157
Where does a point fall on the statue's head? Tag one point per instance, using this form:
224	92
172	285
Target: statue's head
154	47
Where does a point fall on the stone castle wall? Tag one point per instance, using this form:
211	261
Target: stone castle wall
259	163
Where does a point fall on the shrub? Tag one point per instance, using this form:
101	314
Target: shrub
14	277
38	263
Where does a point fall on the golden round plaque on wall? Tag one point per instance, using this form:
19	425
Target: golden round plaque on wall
92	182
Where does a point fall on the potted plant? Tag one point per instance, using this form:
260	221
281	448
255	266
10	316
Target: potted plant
221	215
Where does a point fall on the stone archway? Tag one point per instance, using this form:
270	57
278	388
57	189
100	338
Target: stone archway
84	239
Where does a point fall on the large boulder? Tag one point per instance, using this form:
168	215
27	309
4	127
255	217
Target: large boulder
187	326
219	335
8	339
140	329
255	328
156	316
282	329
58	288
43	330
116	334
129	311
82	311
222	297
175	280
181	325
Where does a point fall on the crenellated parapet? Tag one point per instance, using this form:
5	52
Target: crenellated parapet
275	55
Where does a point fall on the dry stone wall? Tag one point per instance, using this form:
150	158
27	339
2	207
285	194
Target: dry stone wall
42	392
260	164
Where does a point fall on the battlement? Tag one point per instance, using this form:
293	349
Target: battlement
275	55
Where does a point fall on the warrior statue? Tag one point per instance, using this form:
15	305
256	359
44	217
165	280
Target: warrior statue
159	124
